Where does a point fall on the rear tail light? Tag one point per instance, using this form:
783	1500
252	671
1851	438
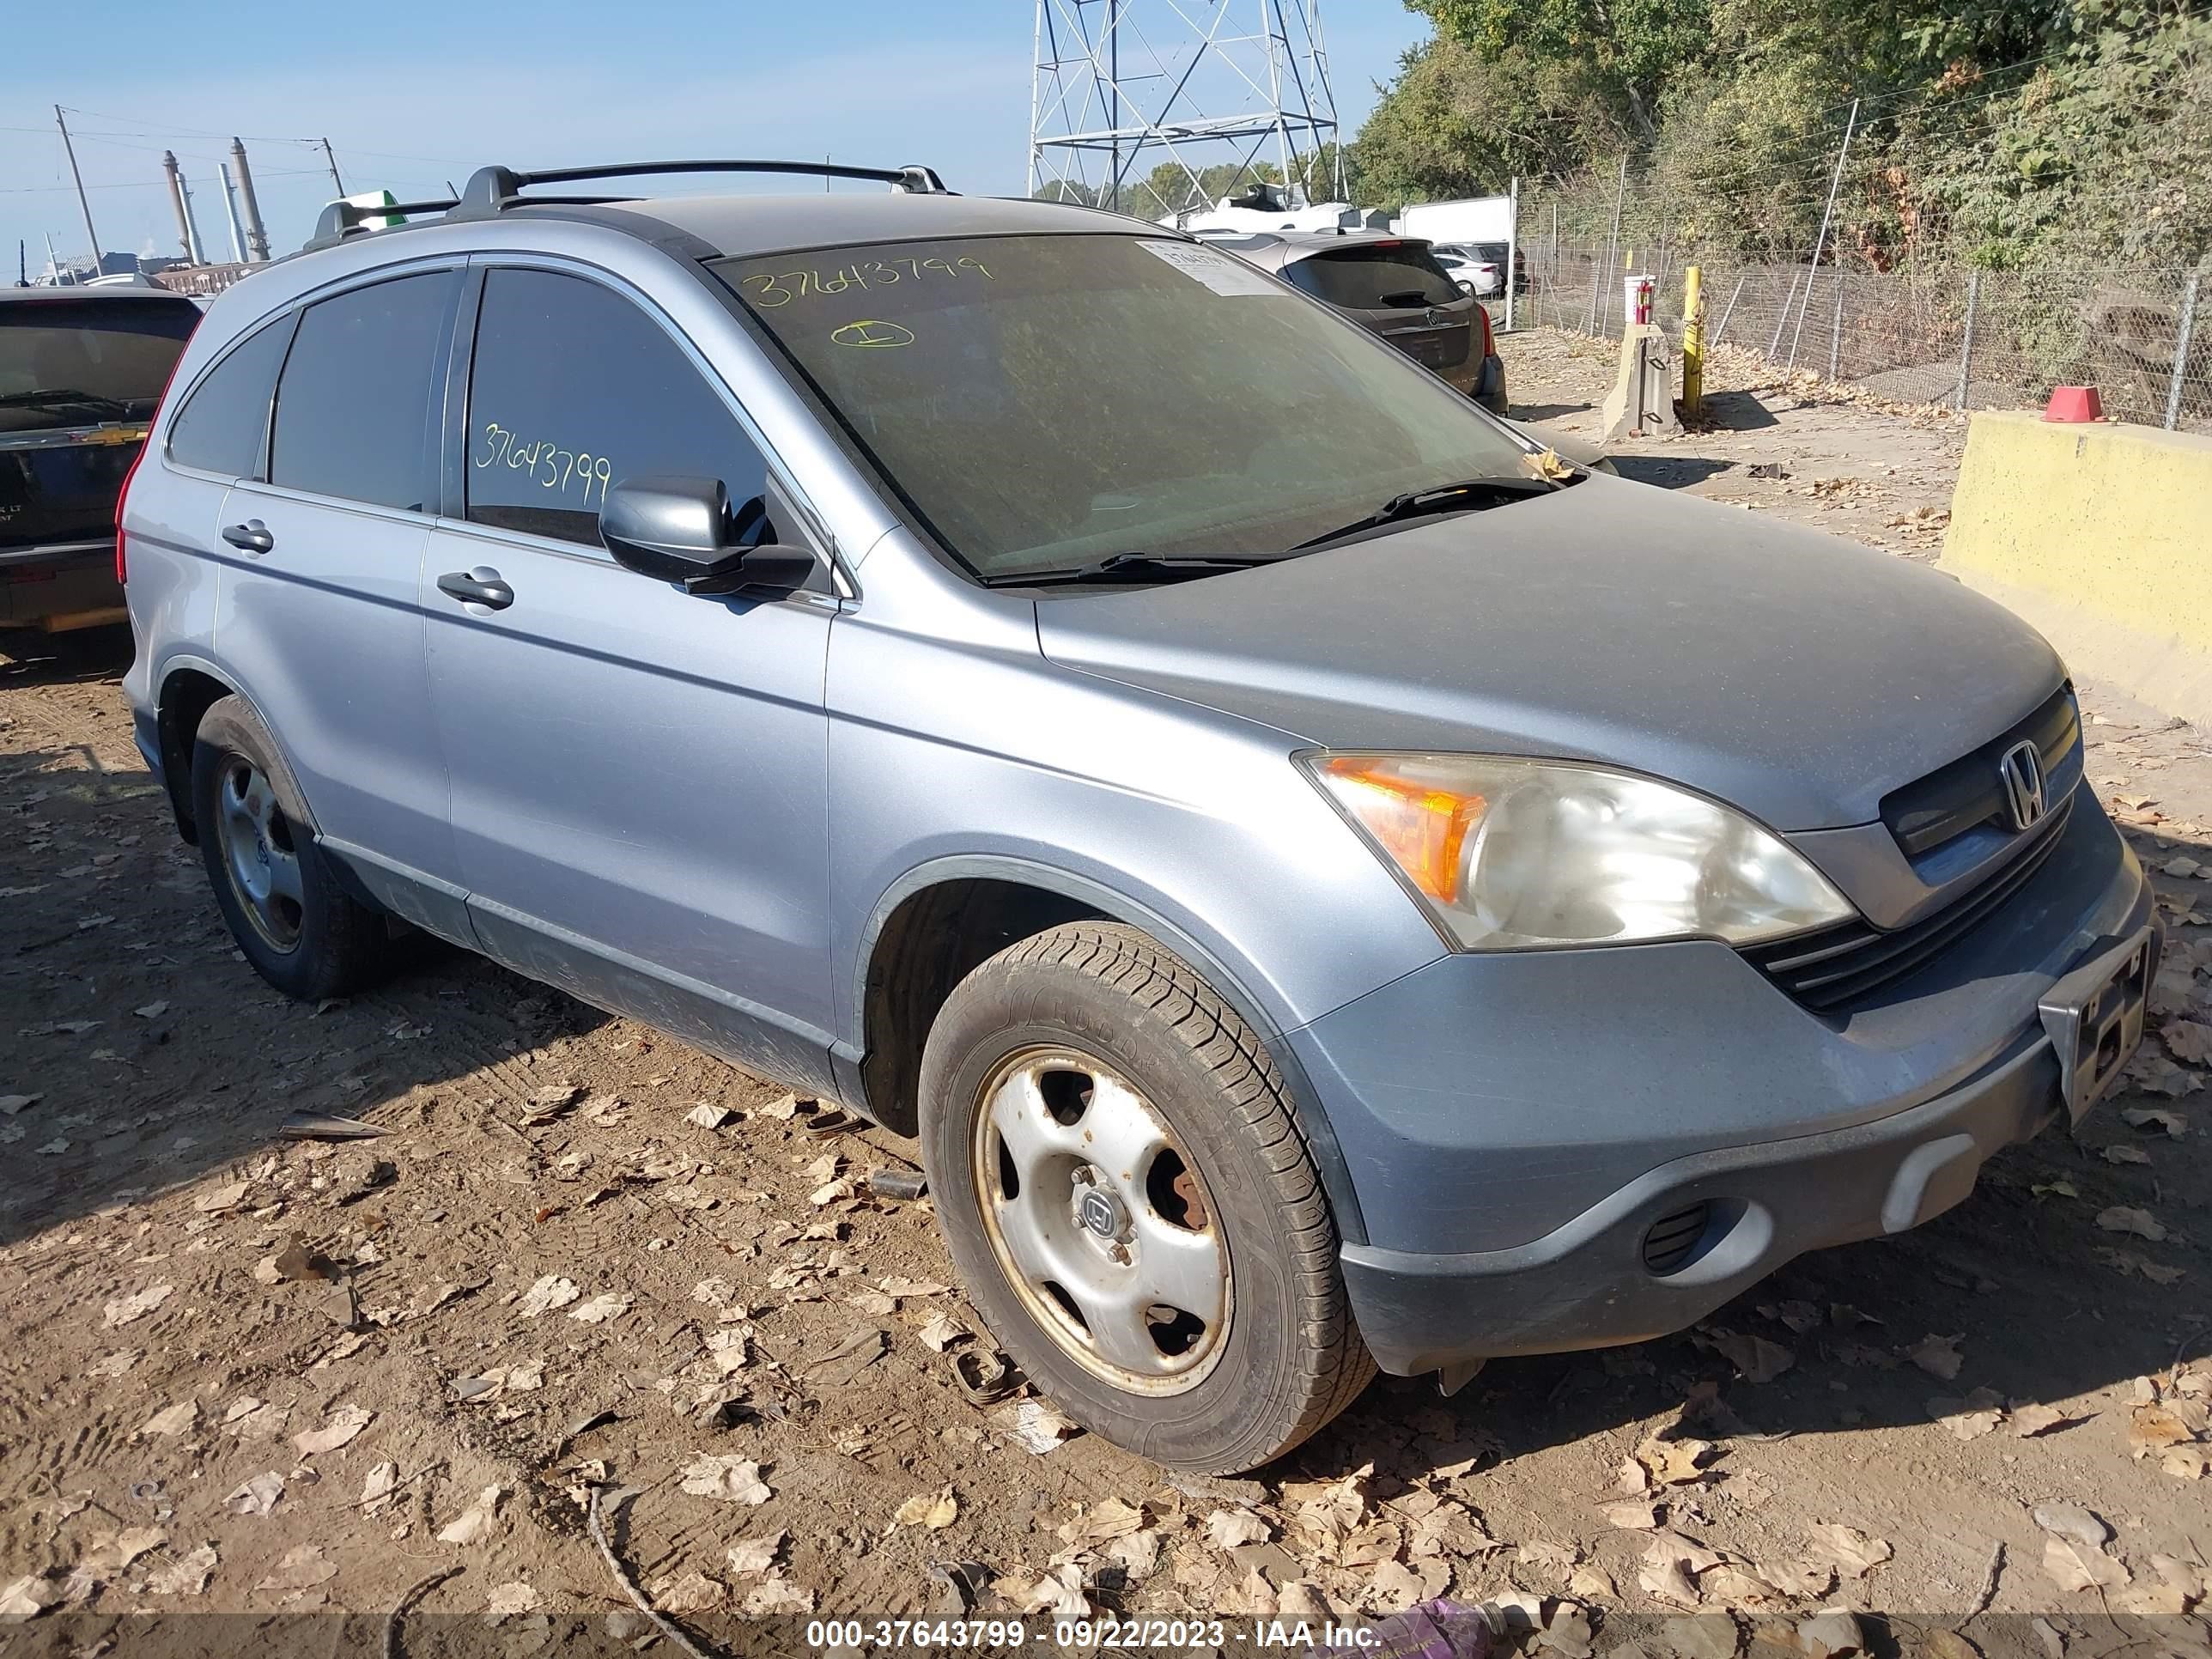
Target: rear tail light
1488	347
122	560
122	496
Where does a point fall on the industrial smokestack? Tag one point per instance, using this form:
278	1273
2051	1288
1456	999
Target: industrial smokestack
177	201
257	239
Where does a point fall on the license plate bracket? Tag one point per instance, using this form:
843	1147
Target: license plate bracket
2094	1016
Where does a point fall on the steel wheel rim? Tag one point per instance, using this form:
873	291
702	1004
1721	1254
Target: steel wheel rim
1100	1222
258	854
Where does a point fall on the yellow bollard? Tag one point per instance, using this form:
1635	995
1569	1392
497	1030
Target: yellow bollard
1693	342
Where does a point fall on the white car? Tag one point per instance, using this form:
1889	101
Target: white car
1473	269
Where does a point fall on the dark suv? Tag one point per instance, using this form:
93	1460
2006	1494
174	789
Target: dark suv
1393	287
80	371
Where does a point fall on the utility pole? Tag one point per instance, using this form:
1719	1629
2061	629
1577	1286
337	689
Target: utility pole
333	161
1827	213
69	150
257	239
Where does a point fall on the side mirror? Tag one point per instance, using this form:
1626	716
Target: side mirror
680	529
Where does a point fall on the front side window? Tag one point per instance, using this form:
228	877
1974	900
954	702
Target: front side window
78	362
1044	402
573	389
224	422
356	403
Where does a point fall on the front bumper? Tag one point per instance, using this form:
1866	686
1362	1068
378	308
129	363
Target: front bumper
1521	1128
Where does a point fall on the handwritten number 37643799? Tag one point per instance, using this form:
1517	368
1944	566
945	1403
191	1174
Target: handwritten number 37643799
545	462
769	291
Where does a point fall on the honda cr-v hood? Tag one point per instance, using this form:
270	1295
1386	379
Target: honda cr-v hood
1799	677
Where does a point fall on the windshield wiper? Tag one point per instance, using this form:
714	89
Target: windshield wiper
50	395
1465	496
1137	568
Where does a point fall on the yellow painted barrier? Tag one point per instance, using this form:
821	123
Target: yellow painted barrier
2101	536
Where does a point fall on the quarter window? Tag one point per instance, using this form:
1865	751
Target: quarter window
573	388
355	406
224	423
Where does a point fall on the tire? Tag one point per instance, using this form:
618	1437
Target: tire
1029	1070
302	932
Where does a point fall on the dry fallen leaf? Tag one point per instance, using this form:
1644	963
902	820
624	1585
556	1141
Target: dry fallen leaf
734	1479
183	1575
508	1600
779	1595
2076	1566
1856	1554
2028	1421
1632	1516
690	1592
1756	1359
477	1522
942	1331
549	1292
1035	1425
342	1426
2188	1041
126	1308
1673	1463
1938	1355
2142	1223
934	1510
257	1495
600	1309
177	1419
2154	1428
749	1558
1229	1529
302	1568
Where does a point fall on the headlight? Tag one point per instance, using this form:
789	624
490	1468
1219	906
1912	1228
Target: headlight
1520	855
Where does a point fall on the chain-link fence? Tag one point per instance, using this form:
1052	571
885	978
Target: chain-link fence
1961	338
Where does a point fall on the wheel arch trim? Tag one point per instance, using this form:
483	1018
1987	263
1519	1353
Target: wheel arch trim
1229	977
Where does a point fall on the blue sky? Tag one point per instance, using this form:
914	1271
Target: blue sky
411	92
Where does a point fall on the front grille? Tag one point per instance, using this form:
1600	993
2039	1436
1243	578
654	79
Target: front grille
1830	971
1930	811
1671	1239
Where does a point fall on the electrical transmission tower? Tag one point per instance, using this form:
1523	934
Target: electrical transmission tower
1123	86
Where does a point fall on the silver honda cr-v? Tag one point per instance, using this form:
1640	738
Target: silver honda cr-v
1322	877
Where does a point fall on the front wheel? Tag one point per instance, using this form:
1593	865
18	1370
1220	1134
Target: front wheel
1130	1204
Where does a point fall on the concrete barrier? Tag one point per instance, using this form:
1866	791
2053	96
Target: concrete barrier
2100	536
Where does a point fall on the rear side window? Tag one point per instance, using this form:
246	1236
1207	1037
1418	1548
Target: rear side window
225	422
1374	278
572	389
84	362
355	407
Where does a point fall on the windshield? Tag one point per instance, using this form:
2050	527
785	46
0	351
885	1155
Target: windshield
78	362
1045	402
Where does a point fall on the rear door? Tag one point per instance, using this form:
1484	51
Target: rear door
1398	290
640	795
320	605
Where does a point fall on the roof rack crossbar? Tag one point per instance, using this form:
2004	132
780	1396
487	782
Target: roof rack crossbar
492	189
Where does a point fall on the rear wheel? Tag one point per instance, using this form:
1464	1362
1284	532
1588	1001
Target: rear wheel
299	929
1133	1209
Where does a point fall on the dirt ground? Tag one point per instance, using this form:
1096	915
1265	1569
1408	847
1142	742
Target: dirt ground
247	1373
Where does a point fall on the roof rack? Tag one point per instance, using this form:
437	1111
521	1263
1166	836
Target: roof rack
492	190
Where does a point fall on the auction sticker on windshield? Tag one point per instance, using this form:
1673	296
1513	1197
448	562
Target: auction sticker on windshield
1215	269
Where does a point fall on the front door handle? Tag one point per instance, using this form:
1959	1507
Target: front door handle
251	537
481	585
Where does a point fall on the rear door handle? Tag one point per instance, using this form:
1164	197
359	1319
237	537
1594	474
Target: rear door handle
481	585
251	537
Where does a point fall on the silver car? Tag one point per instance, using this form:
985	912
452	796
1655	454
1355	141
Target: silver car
1328	884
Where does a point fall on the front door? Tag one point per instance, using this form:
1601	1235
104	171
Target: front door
639	794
